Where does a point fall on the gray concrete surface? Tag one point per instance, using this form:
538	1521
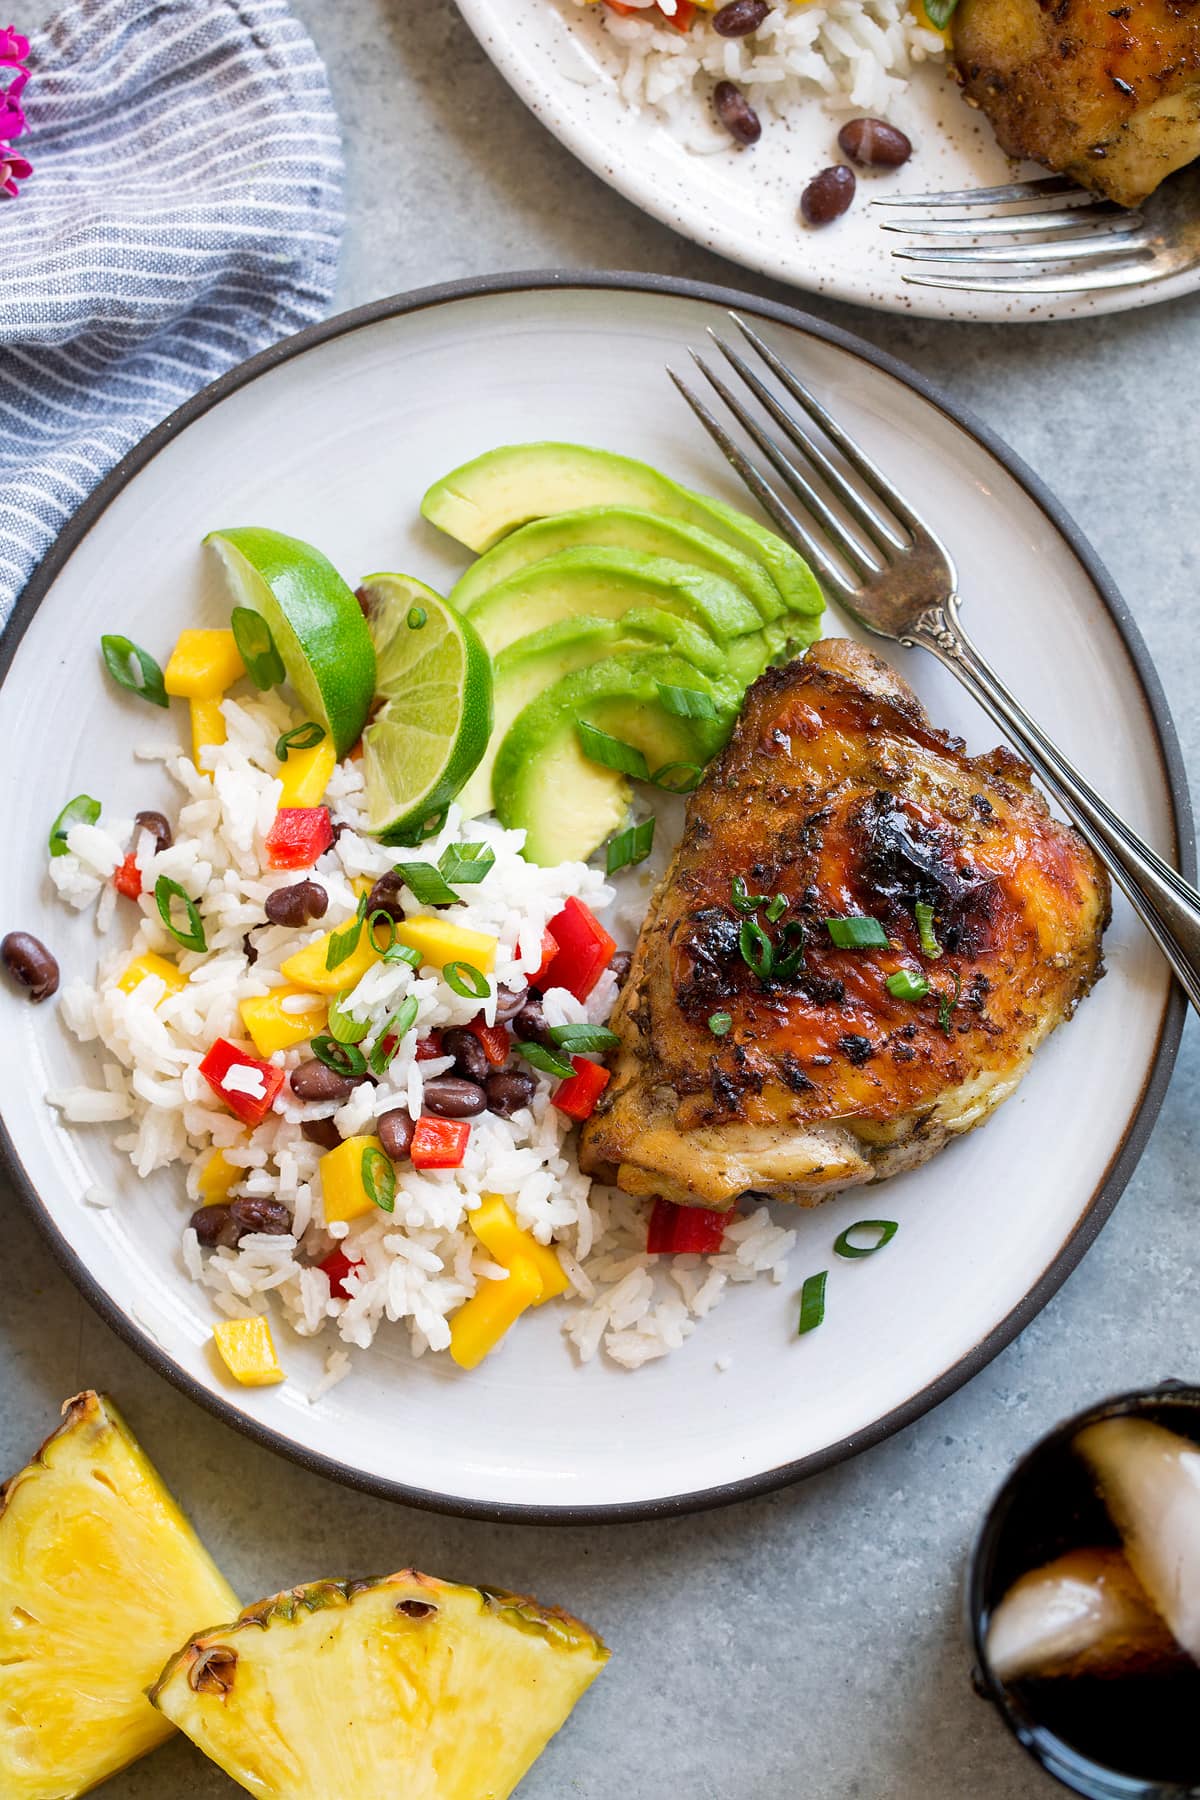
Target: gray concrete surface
809	1643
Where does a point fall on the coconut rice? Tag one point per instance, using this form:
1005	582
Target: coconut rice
416	1265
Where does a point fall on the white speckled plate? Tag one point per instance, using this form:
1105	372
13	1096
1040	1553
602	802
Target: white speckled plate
334	435
743	203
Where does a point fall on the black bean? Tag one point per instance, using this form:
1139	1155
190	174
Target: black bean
315	1080
28	961
158	826
395	1132
297	904
529	1025
385	896
736	113
508	1090
620	962
214	1225
828	194
251	953
740	17
874	143
452	1098
321	1131
509	1002
467	1051
270	1217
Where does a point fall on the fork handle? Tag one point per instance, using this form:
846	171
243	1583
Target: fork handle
1168	906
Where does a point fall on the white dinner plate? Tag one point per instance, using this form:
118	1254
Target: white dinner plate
334	436
743	203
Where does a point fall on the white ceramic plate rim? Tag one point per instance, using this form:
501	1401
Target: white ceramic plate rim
1141	1119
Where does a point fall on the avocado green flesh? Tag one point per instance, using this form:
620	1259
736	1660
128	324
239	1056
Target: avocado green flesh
483	500
628	528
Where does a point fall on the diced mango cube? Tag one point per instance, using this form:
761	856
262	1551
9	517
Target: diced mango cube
439	942
305	774
342	1183
272	1028
151	963
247	1349
203	664
497	1230
479	1325
208	727
307	967
216	1178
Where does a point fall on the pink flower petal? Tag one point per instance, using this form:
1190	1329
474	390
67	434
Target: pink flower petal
13	47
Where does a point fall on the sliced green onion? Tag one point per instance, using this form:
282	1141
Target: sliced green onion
342	1028
301	737
924	915
539	1057
166	892
466	863
373	919
776	909
388	1041
403	953
82	810
678	777
467	980
720	1023
940	12
812	1302
252	635
946	1006
344	1059
599	747
417	617
887	1229
431	826
379	1179
685	702
343	944
858	932
904	985
120	655
427	883
743	899
629	847
578	1040
758	952
794	933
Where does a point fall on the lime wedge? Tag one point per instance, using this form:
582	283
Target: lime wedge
435	683
316	622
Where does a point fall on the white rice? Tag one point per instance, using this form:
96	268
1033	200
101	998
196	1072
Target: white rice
418	1264
854	55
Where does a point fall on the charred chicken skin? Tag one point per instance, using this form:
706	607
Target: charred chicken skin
1109	94
794	1070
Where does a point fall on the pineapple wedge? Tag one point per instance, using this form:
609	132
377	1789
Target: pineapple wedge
100	1577
346	1690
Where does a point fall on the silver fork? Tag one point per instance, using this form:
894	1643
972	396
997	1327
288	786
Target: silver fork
902	585
1046	237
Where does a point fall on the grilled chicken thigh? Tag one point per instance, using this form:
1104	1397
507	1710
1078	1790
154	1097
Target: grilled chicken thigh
1109	94
805	1074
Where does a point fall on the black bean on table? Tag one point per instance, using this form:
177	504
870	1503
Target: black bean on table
828	194
736	113
740	17
315	1080
470	1059
529	1025
159	827
385	896
28	961
449	1097
321	1131
509	1002
874	143
395	1132
508	1090
298	904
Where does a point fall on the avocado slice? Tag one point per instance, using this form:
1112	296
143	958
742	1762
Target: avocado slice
568	804
629	528
604	584
483	500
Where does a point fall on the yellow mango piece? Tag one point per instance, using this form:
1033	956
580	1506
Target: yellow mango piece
203	664
439	942
216	1178
307	967
153	964
247	1349
497	1230
478	1326
342	1184
305	774
271	1028
208	727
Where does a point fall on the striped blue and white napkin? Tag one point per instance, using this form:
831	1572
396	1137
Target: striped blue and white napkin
184	211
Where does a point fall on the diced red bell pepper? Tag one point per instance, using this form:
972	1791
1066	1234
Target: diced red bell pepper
337	1266
685	1230
584	950
549	952
494	1039
429	1046
219	1065
438	1143
128	878
577	1097
298	836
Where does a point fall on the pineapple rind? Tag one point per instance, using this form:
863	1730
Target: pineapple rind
100	1574
332	1692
